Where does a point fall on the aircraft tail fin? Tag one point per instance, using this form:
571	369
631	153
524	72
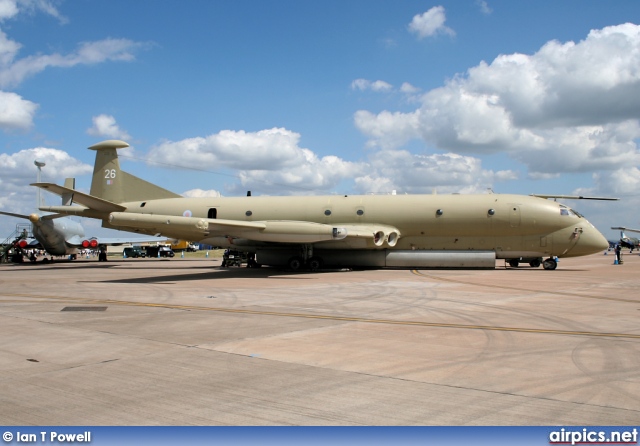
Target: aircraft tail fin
114	185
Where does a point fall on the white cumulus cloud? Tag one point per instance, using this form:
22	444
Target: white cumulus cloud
105	125
11	8
430	23
59	164
364	84
12	73
270	160
15	112
18	113
570	107
484	7
404	171
200	193
8	9
388	129
18	171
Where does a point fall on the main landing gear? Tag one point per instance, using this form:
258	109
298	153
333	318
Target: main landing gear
298	264
306	261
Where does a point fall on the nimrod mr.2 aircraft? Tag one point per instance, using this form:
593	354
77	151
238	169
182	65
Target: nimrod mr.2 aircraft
401	231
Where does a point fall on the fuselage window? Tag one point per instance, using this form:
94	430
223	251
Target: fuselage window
327	212
213	213
142	204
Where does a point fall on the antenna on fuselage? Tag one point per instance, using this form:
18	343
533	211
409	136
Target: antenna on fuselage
39	165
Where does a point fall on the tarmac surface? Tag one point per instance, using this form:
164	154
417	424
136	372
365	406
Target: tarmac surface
185	342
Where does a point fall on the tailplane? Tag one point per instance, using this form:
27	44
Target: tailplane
114	185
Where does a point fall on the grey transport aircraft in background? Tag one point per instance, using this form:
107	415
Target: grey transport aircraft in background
399	231
59	235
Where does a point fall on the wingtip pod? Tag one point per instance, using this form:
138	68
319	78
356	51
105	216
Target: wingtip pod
109	144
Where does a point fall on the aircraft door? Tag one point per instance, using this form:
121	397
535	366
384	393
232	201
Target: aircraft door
213	213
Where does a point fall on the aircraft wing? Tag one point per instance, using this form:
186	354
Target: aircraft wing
574	197
95	203
29	217
194	228
278	231
11	214
622	228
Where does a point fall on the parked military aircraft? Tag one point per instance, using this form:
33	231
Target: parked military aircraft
406	231
628	242
59	235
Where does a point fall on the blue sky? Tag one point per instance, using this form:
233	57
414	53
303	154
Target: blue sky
300	97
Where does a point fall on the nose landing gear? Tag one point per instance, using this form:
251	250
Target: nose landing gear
534	262
550	263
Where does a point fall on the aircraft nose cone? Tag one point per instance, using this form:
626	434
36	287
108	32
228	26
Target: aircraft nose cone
592	242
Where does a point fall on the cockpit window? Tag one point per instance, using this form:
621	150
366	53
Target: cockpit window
566	211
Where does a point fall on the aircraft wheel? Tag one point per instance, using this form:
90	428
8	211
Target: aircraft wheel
513	263
535	263
549	264
315	263
295	263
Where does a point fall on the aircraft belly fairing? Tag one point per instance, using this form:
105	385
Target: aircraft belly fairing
385	258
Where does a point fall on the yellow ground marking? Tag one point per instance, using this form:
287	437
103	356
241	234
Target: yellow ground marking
505	287
327	317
